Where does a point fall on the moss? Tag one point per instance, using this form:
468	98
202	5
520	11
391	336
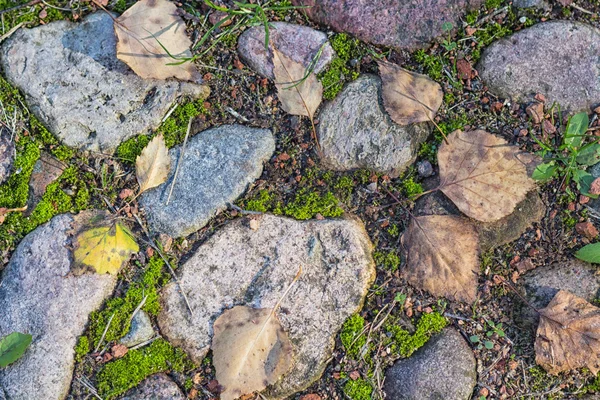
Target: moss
29	15
359	389
389	260
344	188
410	188
339	71
393	230
471	17
491	4
432	65
363	176
428	149
262	202
352	328
405	344
308	203
82	348
120	375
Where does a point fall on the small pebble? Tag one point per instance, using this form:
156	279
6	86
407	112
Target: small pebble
424	169
523	20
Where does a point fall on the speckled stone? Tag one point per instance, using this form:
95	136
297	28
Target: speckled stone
140	330
7	153
155	387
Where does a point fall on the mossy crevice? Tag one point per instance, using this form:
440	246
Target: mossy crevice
404	344
339	70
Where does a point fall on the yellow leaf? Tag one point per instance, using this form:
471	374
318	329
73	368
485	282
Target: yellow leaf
153	164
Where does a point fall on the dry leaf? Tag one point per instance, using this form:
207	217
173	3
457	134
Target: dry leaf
139	31
568	335
482	174
153	164
297	96
442	256
408	97
250	350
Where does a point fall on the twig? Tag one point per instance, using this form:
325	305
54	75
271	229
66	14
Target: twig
492	15
236	114
31	3
457	317
89	387
104	333
139	307
10	32
180	160
583	10
137	346
167	115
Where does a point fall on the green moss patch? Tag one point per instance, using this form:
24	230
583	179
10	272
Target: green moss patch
307	204
405	344
352	336
339	70
389	260
359	389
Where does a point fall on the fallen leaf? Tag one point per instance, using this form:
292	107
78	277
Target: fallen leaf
12	347
568	335
595	186
482	174
153	164
250	350
142	32
298	94
408	97
442	256
101	243
586	229
119	350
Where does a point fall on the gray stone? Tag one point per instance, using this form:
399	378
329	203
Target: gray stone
444	368
557	59
424	169
155	387
217	167
7	153
355	132
401	24
140	330
74	83
541	4
40	296
239	265
300	43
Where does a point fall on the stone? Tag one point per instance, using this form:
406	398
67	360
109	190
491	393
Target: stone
444	368
536	112
140	331
354	131
40	296
540	4
242	266
46	170
557	59
299	43
586	229
425	169
217	167
155	387
404	25
7	153
73	82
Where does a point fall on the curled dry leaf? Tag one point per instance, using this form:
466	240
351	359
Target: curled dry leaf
568	335
442	256
142	29
153	164
482	174
299	94
250	350
408	97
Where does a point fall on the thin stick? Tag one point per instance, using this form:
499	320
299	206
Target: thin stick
89	387
31	3
104	333
9	33
139	307
180	160
137	346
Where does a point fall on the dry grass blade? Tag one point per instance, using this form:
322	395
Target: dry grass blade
153	164
442	256
482	174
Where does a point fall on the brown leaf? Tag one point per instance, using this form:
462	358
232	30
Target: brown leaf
568	335
595	186
139	31
153	164
482	174
119	350
250	350
442	256
408	97
297	96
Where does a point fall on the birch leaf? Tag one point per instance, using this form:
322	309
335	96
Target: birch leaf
250	350
144	31
408	97
298	94
153	164
442	256
12	347
482	174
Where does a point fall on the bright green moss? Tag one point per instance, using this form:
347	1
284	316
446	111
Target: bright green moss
432	65
352	336
471	17
338	72
262	202
358	389
82	348
393	230
490	4
410	188
406	344
307	204
344	187
120	375
387	259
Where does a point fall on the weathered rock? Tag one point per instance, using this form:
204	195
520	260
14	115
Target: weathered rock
7	153
401	24
557	59
39	296
299	43
444	368
45	171
239	265
74	83
355	132
541	4
217	167
140	330
155	387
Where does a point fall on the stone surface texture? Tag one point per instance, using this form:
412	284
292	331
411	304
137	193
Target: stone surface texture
557	59
155	387
354	131
140	330
239	265
299	43
217	166
39	296
74	83
444	368
7	153
402	24
531	4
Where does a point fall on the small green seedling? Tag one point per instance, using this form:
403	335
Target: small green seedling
448	44
488	344
12	347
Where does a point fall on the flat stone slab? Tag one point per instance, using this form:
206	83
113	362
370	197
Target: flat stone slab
217	166
239	265
155	387
401	24
74	83
140	331
355	131
444	368
558	59
40	297
299	43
